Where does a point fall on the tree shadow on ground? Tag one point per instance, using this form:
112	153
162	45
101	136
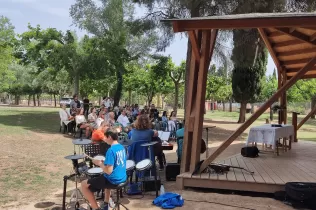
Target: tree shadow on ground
43	122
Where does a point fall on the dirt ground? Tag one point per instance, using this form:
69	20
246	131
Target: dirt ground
32	167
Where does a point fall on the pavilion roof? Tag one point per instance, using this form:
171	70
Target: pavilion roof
289	37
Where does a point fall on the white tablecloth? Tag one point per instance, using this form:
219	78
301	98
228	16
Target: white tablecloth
268	135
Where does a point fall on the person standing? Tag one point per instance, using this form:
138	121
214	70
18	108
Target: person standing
86	106
75	105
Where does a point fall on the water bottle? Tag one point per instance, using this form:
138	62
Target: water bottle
162	189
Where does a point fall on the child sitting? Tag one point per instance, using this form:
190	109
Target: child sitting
114	168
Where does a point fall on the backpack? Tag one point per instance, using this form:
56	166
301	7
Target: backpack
250	152
203	146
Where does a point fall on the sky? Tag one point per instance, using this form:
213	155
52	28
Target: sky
55	14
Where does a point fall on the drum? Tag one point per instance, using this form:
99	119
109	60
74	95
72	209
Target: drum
99	157
94	172
144	165
130	165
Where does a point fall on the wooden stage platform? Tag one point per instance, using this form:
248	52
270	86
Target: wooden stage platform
271	171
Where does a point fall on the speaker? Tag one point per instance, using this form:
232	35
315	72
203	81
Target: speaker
149	184
172	171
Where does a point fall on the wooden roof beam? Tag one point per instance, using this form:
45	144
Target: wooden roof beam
287	43
294	62
205	23
194	44
270	49
296	35
296	52
311	76
294	70
313	37
257	114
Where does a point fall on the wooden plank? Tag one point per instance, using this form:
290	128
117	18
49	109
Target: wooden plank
187	141
248	176
296	52
265	176
199	98
292	71
260	111
238	172
194	44
307	117
229	185
231	174
284	97
293	62
294	123
297	35
269	171
270	22
313	37
301	174
287	43
256	176
312	76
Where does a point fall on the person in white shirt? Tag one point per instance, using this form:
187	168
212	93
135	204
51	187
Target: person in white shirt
92	117
66	118
99	120
123	119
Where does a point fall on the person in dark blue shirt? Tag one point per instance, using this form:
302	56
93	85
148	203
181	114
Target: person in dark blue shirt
114	168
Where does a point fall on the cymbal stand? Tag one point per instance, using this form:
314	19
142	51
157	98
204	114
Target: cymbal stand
76	192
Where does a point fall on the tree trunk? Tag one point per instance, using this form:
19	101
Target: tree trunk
119	87
38	100
29	100
242	112
176	97
158	99
252	108
271	114
34	101
55	103
76	83
313	105
230	105
162	101
130	97
16	99
223	106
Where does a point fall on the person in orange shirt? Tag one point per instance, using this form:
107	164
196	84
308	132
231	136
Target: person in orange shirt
98	134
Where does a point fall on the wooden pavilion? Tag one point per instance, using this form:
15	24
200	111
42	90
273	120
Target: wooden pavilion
291	41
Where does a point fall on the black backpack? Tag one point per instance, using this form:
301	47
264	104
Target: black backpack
250	152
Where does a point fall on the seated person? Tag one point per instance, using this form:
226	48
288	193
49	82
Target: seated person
123	119
66	118
98	134
111	118
99	120
92	117
82	122
114	168
180	138
143	132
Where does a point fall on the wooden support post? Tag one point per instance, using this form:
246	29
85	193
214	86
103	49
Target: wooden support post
294	123
313	111
260	111
190	118
284	98
199	99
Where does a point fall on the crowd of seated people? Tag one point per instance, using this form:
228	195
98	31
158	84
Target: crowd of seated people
138	124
